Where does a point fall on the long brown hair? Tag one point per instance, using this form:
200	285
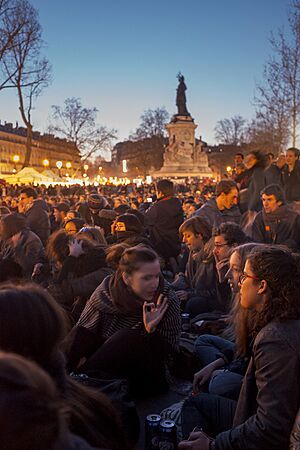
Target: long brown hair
280	269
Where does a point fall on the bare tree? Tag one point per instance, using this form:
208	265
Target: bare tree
230	131
153	122
23	66
7	37
78	124
278	96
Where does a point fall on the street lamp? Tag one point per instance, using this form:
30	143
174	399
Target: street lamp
68	165
16	159
86	167
59	166
46	163
228	169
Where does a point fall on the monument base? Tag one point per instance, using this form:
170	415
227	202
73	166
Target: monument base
183	171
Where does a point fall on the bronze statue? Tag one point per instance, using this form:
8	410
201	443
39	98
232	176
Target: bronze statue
180	97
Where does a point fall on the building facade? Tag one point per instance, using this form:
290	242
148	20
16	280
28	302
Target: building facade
48	152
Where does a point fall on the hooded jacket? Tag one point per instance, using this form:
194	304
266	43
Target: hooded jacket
215	217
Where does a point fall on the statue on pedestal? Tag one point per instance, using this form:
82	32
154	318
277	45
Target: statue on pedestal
180	97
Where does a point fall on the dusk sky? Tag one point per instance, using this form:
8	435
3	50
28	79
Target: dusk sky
123	56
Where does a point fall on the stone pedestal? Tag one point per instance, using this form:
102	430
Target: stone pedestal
183	155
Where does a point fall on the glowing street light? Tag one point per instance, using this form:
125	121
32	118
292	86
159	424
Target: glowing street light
16	159
228	169
46	163
68	165
59	165
86	167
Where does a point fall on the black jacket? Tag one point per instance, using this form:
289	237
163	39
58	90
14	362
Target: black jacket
37	220
256	185
163	220
281	227
291	183
215	217
270	395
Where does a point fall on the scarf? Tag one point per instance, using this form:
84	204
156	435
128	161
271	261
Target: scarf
123	297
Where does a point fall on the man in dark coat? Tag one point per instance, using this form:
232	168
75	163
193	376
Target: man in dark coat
291	176
222	208
163	220
35	212
277	223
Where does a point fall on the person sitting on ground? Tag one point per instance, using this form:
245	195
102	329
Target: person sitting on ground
72	226
225	358
129	325
127	228
36	213
196	288
223	207
265	413
33	325
43	424
19	244
81	267
277	223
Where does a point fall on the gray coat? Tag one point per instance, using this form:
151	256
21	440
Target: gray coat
37	220
215	217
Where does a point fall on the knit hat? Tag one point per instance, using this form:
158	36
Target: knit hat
97	202
109	214
62	207
12	224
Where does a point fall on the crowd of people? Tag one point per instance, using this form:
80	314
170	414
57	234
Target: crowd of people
96	283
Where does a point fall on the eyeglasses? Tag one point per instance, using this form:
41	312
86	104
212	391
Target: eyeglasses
221	245
244	275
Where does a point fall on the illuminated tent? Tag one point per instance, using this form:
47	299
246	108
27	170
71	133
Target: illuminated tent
28	175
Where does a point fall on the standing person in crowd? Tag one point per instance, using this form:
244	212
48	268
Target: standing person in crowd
291	176
20	244
256	163
223	207
36	213
163	220
130	324
273	173
277	223
265	413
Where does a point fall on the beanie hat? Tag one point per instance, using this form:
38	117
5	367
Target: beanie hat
109	214
131	222
12	224
97	202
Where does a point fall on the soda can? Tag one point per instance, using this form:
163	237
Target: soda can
152	432
168	435
185	322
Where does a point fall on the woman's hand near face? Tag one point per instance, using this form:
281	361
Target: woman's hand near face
75	248
153	314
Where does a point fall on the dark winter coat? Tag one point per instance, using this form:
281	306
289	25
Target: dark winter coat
28	252
270	394
256	185
215	217
291	183
280	227
163	220
37	220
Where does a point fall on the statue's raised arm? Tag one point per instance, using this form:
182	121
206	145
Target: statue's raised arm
180	97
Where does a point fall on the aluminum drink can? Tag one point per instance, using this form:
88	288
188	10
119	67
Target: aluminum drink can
168	435
185	322
152	431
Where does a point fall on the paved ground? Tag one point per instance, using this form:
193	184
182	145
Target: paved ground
178	391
